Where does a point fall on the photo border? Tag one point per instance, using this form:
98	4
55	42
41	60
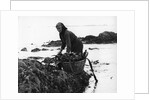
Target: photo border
145	73
100	10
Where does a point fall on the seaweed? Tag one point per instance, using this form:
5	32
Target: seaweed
35	77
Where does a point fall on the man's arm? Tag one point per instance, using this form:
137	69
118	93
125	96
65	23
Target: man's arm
68	42
63	45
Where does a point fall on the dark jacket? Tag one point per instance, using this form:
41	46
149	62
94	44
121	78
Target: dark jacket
70	40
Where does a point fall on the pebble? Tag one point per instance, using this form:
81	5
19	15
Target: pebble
111	77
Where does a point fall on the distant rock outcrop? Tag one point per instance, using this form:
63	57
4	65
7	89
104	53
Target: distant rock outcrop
108	37
24	49
89	39
35	50
105	37
53	44
44	49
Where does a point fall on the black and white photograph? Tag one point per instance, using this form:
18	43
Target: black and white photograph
48	54
67	54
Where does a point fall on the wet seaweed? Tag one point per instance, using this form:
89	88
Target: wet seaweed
35	77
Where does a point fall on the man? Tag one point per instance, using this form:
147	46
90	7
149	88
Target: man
69	39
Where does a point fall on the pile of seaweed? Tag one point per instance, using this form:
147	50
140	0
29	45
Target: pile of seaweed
36	77
66	57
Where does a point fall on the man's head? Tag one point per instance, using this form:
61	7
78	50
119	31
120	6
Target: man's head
60	27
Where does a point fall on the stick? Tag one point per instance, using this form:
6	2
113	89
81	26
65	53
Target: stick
92	70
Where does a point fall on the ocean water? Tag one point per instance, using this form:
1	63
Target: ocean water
105	70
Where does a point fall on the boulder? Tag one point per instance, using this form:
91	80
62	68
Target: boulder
35	50
24	49
108	37
44	49
104	37
89	39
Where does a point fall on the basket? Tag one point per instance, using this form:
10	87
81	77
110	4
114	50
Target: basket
77	66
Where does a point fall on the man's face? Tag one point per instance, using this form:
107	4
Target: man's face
59	28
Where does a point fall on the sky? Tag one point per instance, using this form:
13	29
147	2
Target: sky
39	29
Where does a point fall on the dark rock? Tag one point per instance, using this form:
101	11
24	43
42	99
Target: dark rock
58	48
96	62
43	49
35	50
24	49
89	86
53	44
104	37
93	48
105	63
108	37
111	77
89	39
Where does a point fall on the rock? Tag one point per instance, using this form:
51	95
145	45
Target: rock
108	37
89	39
93	48
104	63
24	49
35	50
43	49
53	44
58	48
111	77
96	62
89	86
104	37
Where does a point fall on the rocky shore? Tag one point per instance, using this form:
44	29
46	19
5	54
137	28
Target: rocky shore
37	77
